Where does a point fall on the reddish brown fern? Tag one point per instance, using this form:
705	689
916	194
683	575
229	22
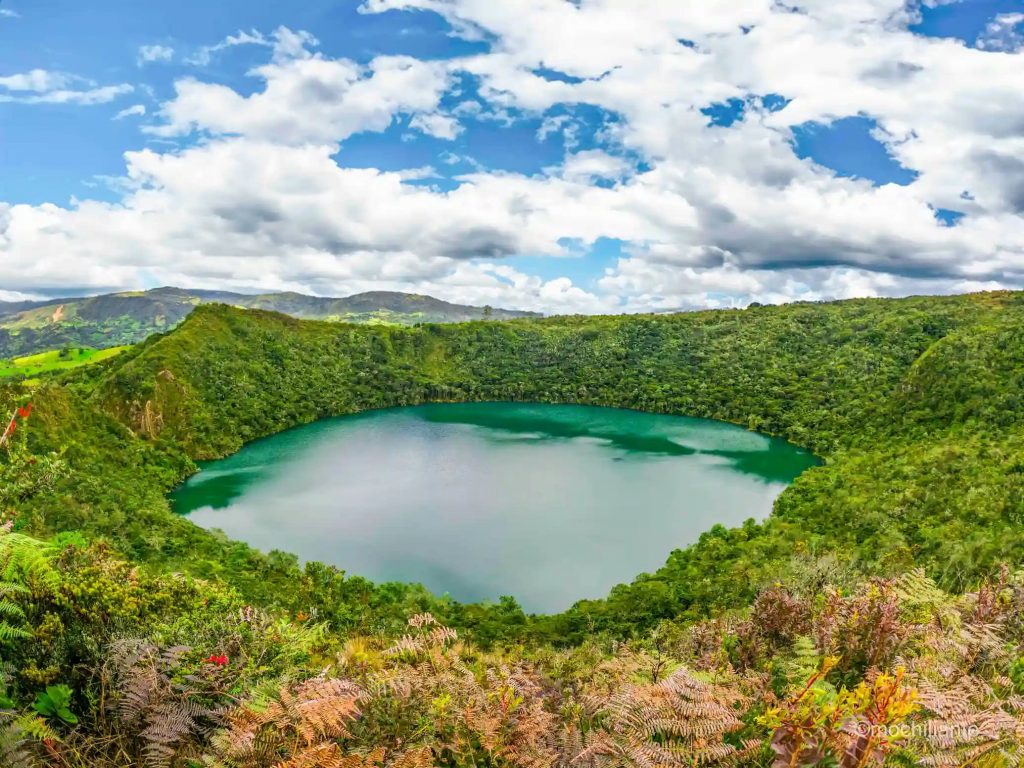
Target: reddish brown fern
679	721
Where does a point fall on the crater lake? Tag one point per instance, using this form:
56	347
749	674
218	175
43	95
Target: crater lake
547	503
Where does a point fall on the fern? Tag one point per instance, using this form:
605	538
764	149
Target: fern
296	727
679	721
34	727
18	735
25	562
9	632
165	716
25	568
7	607
796	668
429	635
14	743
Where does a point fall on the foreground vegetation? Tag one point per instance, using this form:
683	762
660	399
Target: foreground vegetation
167	670
883	590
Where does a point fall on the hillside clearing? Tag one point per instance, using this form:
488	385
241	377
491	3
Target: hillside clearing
56	360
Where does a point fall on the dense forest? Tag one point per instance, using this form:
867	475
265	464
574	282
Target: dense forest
876	616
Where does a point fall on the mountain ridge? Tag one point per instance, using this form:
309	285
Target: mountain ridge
128	317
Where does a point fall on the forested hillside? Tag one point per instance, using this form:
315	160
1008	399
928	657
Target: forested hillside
787	631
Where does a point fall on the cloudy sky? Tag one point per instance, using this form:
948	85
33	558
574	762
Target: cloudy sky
559	155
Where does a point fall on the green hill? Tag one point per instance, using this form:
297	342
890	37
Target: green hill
913	405
119	319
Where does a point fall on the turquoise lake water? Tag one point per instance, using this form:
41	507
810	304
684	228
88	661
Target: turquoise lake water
547	503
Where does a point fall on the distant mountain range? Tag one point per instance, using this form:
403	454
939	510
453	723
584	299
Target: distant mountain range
113	319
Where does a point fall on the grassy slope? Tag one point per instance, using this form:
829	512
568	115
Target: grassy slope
911	403
45	362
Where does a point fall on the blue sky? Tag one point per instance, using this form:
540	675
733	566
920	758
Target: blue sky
549	174
62	149
964	21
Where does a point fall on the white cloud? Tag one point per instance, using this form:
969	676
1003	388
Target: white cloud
154	53
947	111
285	217
40	86
284	42
593	165
89	97
7	13
289	44
135	110
16	296
712	216
435	124
244	213
310	98
1004	33
37	81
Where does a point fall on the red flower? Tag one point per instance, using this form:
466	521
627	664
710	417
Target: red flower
12	426
220	660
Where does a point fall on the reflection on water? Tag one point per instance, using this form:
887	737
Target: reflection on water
547	503
536	422
215	489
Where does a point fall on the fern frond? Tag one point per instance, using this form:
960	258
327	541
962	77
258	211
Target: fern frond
8	632
300	724
164	715
26	561
679	721
7	608
17	733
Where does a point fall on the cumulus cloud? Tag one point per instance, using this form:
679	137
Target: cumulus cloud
710	215
1004	33
271	214
311	98
947	111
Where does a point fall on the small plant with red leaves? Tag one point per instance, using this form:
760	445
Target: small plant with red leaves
22	413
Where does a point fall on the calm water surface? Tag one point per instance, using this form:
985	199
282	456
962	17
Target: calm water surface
548	503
